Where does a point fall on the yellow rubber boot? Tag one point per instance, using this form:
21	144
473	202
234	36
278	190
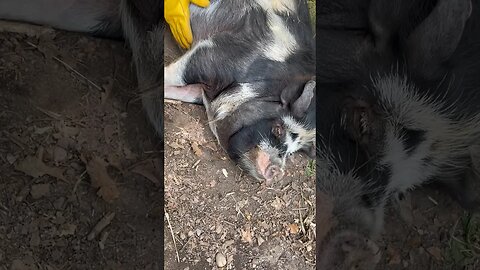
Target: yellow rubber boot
177	16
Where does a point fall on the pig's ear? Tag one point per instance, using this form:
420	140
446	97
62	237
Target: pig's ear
437	37
278	129
288	94
359	120
300	106
383	17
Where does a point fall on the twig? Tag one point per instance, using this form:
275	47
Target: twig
23	28
173	236
104	222
67	66
80	178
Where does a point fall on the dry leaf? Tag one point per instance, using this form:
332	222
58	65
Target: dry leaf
293	228
147	169
34	166
436	253
175	145
109	131
277	203
247	235
67	229
39	190
196	149
97	170
394	256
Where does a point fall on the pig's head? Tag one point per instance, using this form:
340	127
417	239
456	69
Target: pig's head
300	124
260	133
383	111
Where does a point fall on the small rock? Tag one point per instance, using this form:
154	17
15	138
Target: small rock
35	239
309	248
198	232
22	194
66	143
59	154
229	243
182	236
219	228
67	229
39	190
260	240
225	173
59	203
220	260
18	265
11	158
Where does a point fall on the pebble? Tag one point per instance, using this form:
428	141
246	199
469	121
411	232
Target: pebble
59	203
198	231
260	240
59	154
39	190
220	260
11	158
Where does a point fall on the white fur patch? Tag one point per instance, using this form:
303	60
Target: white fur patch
280	6
228	102
174	72
305	136
407	171
445	139
283	43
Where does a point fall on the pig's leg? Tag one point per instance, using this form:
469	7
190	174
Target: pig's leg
175	86
89	16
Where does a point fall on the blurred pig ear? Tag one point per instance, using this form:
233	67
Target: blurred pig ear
300	106
359	120
278	129
437	37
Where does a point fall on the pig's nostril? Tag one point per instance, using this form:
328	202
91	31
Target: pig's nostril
273	172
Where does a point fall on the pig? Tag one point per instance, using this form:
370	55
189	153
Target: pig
252	66
398	105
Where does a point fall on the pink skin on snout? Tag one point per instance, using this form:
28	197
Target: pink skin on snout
266	169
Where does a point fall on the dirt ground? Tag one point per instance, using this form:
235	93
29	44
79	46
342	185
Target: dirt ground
220	217
79	165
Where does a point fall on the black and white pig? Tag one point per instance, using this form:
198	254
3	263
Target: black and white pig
402	109
139	21
251	66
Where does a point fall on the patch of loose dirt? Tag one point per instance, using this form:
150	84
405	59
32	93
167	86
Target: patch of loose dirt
214	208
71	151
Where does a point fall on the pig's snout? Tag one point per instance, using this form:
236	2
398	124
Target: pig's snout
273	172
267	169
